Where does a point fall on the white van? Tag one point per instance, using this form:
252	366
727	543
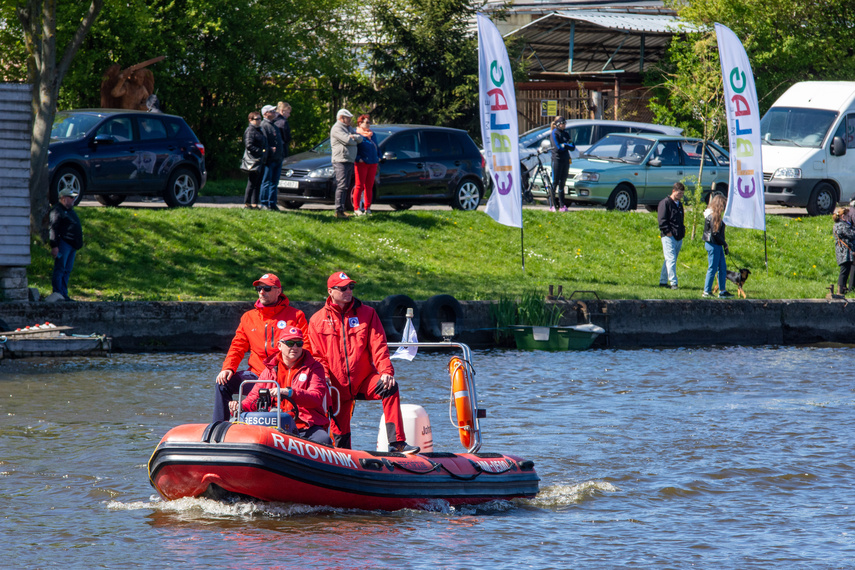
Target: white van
806	135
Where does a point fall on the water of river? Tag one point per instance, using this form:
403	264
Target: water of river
710	458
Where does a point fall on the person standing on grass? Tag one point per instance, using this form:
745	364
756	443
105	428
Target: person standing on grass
716	246
671	230
562	144
344	141
844	243
256	334
66	237
275	155
283	112
255	143
367	160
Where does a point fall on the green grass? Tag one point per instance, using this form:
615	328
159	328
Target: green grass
215	253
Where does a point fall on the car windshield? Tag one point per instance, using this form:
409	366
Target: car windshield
326	148
620	148
533	135
792	126
70	126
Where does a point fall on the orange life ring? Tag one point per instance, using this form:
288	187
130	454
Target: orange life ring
460	391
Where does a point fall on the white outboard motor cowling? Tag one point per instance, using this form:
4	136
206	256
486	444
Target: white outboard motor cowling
416	428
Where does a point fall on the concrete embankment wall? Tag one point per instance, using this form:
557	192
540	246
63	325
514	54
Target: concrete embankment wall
209	326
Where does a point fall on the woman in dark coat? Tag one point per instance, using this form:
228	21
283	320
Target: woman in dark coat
562	144
844	241
256	147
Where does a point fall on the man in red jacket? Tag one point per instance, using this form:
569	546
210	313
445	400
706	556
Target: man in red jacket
349	342
256	335
301	378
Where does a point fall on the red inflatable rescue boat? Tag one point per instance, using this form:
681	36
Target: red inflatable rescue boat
271	464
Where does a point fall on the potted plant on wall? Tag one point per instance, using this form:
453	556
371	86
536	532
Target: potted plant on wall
534	325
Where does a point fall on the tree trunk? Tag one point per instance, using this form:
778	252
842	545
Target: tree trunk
38	19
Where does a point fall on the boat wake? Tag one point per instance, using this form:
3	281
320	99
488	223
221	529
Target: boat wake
562	495
228	509
204	507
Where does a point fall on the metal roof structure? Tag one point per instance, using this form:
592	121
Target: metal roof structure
571	43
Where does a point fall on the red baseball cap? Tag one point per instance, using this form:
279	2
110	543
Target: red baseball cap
289	333
267	279
338	279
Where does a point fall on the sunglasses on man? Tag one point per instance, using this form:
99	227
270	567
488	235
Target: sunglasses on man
292	343
349	286
265	288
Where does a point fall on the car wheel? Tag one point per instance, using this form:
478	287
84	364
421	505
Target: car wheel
622	199
292	204
400	207
110	199
182	190
68	178
822	200
467	196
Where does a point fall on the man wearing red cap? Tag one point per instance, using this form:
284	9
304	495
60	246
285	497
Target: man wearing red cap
301	378
349	342
256	335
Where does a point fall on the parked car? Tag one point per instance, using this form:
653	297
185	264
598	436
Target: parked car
113	153
584	133
622	171
418	165
806	135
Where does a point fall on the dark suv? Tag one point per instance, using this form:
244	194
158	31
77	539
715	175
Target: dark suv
113	153
418	165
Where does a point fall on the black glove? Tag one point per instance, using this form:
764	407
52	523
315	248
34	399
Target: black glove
383	391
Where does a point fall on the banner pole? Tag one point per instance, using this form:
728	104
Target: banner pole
765	252
522	247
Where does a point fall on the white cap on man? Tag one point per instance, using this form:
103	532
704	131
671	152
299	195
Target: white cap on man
343	113
267	109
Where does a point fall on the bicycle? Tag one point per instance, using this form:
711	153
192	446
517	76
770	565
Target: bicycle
530	179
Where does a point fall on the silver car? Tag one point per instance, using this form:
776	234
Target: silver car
583	133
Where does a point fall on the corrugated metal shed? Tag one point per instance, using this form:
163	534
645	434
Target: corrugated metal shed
575	42
15	129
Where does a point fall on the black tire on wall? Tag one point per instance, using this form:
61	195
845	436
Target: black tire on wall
393	314
441	309
4	327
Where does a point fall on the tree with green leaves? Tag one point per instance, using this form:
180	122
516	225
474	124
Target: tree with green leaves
422	62
49	51
691	95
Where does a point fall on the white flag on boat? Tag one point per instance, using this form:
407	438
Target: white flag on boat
407	352
745	200
499	128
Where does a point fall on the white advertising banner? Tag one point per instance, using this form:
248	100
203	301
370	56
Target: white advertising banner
499	129
745	202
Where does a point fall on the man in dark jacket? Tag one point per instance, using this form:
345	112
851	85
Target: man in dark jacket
66	237
283	112
671	230
273	168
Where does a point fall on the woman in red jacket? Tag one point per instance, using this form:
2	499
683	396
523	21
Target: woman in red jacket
300	378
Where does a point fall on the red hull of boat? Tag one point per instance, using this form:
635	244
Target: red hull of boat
259	462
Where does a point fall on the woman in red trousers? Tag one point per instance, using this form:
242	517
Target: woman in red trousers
367	159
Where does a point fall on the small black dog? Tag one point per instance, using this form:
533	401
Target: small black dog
738	277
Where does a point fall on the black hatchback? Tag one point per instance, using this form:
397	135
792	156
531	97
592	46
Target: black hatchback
113	153
418	165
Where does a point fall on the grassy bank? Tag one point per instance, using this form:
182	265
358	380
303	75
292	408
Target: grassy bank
214	254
